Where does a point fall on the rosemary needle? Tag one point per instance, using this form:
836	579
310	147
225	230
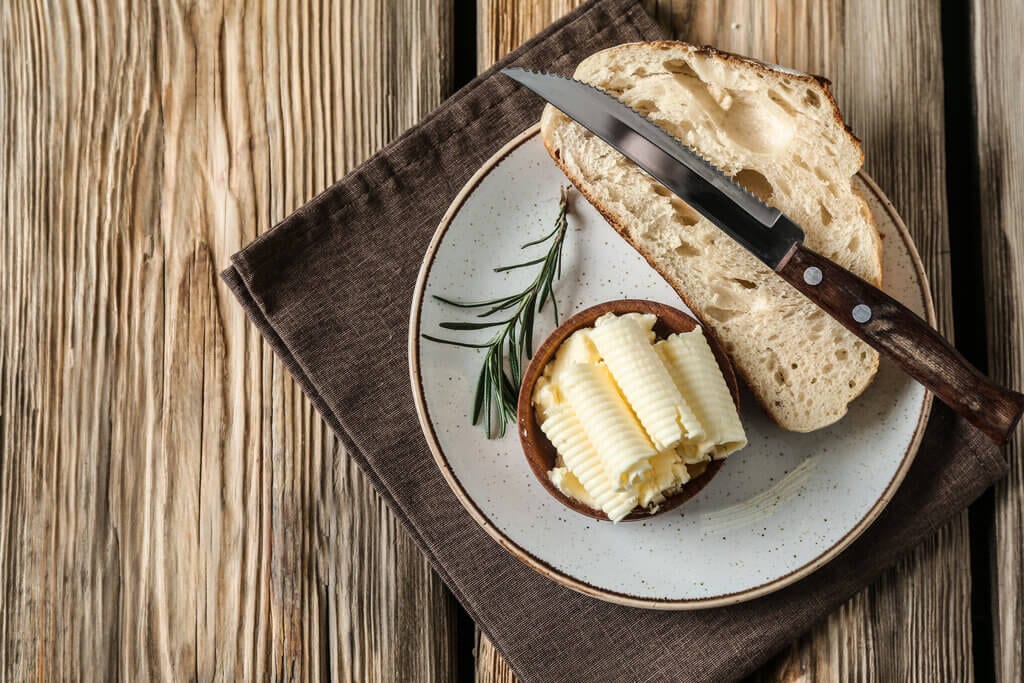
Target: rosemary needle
497	388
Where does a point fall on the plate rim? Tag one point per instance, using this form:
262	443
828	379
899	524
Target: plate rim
564	578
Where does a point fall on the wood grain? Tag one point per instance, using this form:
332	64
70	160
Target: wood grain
914	623
171	508
999	92
502	25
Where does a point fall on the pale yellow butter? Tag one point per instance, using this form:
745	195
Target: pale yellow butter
566	482
625	448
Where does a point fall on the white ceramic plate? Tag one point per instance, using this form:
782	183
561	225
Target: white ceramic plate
778	510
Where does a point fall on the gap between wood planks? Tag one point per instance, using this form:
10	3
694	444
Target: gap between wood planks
968	288
464	69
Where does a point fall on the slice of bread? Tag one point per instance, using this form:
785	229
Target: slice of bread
778	133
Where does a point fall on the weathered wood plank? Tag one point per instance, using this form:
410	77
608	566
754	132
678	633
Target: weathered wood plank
502	25
170	506
491	667
914	624
997	61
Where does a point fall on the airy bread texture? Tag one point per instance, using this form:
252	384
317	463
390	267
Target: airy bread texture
778	133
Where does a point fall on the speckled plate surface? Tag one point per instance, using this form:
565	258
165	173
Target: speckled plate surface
778	510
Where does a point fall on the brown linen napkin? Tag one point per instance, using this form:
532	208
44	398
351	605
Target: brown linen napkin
331	287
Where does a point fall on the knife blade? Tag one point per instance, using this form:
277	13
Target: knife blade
777	241
761	229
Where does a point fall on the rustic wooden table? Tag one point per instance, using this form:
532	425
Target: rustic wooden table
170	505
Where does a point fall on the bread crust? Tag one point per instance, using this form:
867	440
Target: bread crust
819	81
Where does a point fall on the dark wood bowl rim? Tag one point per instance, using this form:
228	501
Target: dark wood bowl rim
540	452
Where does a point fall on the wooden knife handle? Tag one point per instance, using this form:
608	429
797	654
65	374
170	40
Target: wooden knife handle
897	332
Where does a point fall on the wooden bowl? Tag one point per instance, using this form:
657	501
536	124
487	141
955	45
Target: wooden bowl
540	452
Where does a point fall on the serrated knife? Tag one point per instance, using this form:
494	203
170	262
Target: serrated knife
771	236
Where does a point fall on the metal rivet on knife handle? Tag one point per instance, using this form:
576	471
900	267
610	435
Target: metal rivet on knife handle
812	276
862	313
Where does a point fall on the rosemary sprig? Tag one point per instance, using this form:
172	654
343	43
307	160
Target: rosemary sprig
497	388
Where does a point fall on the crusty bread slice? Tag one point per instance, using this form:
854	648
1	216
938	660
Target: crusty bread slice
780	134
